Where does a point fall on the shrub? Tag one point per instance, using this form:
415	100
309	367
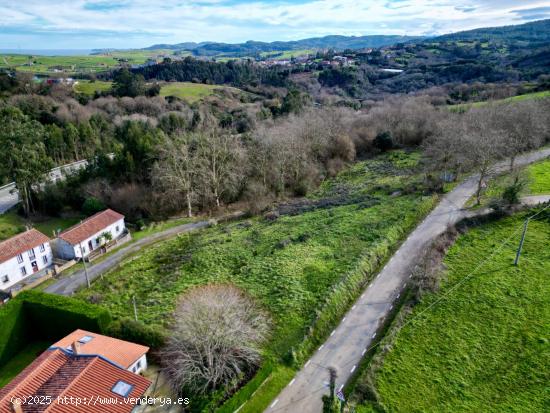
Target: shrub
383	141
136	332
511	193
92	205
215	340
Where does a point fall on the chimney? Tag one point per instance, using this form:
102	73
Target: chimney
76	347
16	406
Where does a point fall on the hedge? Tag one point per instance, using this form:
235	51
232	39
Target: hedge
136	332
13	331
247	390
35	315
53	316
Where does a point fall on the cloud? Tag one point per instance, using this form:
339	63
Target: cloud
125	23
533	13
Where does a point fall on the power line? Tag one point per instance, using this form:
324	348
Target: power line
416	316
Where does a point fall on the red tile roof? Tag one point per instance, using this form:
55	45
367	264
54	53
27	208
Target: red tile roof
90	226
89	379
21	243
118	351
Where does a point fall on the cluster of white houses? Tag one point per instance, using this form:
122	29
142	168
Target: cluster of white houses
31	254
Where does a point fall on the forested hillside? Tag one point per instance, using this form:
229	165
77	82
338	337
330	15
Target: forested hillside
234	73
252	48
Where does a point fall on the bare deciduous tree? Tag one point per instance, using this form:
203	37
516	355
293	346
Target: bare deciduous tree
222	164
216	338
480	144
522	126
176	171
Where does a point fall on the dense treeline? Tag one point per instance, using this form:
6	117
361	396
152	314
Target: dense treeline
159	168
232	72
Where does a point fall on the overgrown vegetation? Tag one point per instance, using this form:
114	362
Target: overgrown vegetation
292	261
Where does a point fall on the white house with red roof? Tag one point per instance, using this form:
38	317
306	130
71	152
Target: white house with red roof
82	239
23	255
129	356
78	381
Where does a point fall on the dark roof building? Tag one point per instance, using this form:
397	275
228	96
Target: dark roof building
90	226
68	382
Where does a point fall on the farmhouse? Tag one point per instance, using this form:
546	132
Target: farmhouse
60	375
126	355
22	256
91	236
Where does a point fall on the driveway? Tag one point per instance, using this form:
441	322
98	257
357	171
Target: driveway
9	197
68	285
355	333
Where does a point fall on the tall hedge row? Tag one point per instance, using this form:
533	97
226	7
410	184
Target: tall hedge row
52	317
34	315
13	330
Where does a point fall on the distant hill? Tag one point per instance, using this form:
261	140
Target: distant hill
253	47
535	33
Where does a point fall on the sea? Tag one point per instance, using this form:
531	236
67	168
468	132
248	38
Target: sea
48	52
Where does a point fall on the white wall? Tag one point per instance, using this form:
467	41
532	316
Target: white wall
12	268
67	251
139	366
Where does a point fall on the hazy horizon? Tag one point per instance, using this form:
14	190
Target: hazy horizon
125	24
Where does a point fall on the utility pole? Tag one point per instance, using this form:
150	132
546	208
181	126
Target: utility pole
518	254
85	267
135	307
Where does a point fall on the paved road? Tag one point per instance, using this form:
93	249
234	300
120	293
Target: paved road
68	285
535	199
9	197
348	342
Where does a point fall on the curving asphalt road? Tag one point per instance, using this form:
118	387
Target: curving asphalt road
68	285
349	341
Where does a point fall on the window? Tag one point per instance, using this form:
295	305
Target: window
45	259
19	258
85	339
5	279
122	388
42	248
23	271
138	365
31	254
117	228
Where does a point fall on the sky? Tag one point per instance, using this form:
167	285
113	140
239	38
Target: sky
92	24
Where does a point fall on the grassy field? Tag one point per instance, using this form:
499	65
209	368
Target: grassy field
89	88
537	177
78	64
485	347
289	265
11	224
190	92
287	54
21	360
533	95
